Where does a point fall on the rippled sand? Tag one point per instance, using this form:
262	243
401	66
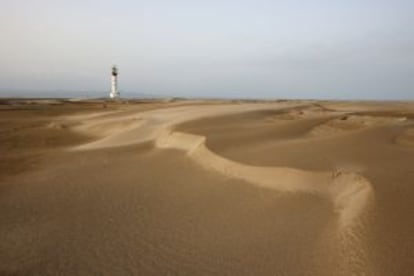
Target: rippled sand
227	188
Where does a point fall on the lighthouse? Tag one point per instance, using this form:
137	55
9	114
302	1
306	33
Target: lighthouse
114	84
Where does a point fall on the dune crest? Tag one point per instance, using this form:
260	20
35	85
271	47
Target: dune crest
350	193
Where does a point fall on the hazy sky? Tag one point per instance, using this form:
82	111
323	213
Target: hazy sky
233	48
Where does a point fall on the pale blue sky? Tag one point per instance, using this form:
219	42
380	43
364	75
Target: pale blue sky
243	48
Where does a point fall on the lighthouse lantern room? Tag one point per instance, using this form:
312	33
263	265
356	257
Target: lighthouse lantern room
114	84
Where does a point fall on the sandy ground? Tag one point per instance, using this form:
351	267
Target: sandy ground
206	187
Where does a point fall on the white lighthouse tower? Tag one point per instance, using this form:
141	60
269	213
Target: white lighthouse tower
114	84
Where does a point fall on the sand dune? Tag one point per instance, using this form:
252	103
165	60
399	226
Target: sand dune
350	193
348	123
157	126
228	188
152	124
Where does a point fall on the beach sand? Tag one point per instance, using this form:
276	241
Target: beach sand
206	187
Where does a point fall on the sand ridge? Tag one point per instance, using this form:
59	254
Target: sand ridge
158	125
350	193
349	123
150	124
